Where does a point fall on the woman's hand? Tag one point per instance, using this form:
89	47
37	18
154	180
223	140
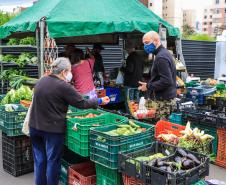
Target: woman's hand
105	100
143	86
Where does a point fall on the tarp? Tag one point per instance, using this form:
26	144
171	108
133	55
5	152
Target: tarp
71	18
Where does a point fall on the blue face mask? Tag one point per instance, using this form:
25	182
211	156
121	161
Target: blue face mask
149	48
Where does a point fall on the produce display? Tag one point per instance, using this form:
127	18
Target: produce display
21	60
24	41
191	139
90	115
126	130
180	162
209	81
14	96
141	113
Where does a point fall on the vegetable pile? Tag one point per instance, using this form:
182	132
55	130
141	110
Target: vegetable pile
25	41
14	96
90	115
21	60
191	139
178	163
126	130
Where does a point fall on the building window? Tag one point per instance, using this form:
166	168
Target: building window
217	1
211	23
150	4
225	20
166	15
211	16
204	29
166	7
205	17
205	23
217	11
206	10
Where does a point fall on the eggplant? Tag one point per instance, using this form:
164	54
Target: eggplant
168	169
164	168
160	163
182	152
192	157
178	159
188	164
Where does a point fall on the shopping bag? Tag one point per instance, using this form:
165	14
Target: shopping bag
120	78
25	128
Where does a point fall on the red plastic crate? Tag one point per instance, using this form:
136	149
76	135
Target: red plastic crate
82	174
165	127
127	180
221	152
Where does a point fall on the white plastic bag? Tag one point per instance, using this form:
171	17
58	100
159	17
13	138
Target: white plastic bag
25	128
120	78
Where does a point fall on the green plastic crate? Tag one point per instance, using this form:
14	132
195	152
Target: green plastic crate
1	97
11	131
13	119
81	148
78	140
106	176
201	182
104	149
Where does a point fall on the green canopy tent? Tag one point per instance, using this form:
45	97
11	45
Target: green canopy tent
84	21
73	18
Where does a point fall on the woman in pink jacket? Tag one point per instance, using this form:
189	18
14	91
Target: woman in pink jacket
82	71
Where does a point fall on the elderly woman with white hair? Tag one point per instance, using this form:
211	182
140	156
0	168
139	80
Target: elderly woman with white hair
52	96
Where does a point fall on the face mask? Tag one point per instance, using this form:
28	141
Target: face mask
149	48
68	77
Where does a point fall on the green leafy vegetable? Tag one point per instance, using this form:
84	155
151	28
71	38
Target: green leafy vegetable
14	96
13	41
28	41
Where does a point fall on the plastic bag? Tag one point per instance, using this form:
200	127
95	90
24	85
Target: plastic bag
25	128
120	78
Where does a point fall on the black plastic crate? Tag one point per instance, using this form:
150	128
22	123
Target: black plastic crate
154	174
135	169
17	155
69	158
209	118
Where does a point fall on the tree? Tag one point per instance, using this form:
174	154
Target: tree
5	17
187	31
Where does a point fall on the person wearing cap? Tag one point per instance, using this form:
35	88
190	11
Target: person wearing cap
52	96
163	74
98	66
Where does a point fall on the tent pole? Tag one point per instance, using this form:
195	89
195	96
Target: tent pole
37	34
42	30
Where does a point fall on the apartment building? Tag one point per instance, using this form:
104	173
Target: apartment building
219	16
156	7
189	18
207	23
172	12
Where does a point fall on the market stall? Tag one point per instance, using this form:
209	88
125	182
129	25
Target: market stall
107	139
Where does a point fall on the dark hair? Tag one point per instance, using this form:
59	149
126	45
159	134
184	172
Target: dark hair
76	56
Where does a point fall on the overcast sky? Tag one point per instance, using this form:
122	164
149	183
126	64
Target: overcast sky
8	5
